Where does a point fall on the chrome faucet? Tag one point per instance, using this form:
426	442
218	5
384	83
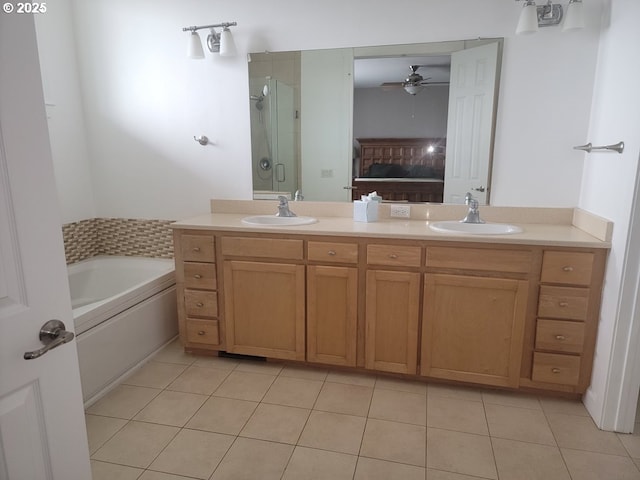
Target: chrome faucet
283	207
473	215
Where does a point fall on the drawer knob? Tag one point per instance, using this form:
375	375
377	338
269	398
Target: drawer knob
563	304
332	253
199	304
196	249
393	256
555	370
567	268
201	332
560	337
198	276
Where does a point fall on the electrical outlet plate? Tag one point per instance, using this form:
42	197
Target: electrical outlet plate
400	211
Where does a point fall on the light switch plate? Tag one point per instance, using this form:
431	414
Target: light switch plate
400	211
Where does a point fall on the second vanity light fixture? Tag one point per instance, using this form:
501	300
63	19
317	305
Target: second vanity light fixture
221	43
533	16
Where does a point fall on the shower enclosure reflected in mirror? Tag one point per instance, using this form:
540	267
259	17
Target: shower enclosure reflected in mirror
333	122
273	137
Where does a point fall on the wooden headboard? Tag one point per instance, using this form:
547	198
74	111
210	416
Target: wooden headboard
405	152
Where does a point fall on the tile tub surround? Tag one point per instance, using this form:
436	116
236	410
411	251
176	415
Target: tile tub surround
117	236
183	417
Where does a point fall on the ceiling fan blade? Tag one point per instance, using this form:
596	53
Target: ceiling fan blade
426	84
392	84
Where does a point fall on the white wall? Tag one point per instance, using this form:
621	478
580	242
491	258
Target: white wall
56	48
394	113
144	100
608	186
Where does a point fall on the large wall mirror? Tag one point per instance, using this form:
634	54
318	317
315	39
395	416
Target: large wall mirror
413	122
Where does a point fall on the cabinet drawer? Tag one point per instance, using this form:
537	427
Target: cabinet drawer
560	336
570	268
262	247
203	331
393	255
563	302
198	248
200	275
201	304
333	252
556	368
512	261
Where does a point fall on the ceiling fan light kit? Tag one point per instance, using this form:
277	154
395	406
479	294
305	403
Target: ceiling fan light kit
414	83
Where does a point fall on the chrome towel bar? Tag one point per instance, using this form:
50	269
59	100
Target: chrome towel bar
616	147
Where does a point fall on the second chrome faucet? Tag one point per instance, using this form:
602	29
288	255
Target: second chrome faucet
473	215
283	207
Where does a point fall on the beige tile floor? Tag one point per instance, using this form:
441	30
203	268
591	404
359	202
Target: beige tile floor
186	417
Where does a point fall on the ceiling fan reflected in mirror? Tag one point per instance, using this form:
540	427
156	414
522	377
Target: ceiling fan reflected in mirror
414	83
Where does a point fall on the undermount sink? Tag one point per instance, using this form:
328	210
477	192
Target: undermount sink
453	226
272	220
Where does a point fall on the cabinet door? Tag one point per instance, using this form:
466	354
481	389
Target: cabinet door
473	328
332	302
392	306
264	309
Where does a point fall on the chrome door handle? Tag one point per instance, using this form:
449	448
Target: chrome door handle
52	335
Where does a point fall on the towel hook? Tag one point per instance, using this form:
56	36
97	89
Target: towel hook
616	147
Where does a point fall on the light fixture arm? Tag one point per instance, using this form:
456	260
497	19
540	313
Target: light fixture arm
194	28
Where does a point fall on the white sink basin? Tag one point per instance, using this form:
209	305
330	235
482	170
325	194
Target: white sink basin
453	226
272	220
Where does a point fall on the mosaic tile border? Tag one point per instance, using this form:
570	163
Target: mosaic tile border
117	236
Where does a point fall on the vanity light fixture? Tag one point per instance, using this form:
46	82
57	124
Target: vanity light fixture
221	43
533	16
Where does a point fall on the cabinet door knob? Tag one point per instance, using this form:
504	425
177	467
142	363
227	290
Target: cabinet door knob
199	304
567	268
563	304
201	332
555	370
196	249
332	253
393	256
560	337
198	276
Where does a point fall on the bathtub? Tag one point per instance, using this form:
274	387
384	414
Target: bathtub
124	309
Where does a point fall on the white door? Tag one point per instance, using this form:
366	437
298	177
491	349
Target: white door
470	121
42	429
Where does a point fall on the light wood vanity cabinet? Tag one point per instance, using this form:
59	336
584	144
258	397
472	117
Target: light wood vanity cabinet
474	314
332	302
264	296
512	316
197	284
392	306
566	319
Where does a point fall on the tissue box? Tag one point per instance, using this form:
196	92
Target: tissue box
365	211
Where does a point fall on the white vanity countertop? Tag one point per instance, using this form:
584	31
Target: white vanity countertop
560	231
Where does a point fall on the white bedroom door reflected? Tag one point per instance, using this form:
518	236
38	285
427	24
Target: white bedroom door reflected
470	120
42	428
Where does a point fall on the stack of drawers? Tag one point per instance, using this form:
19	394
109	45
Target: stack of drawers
200	290
563	308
